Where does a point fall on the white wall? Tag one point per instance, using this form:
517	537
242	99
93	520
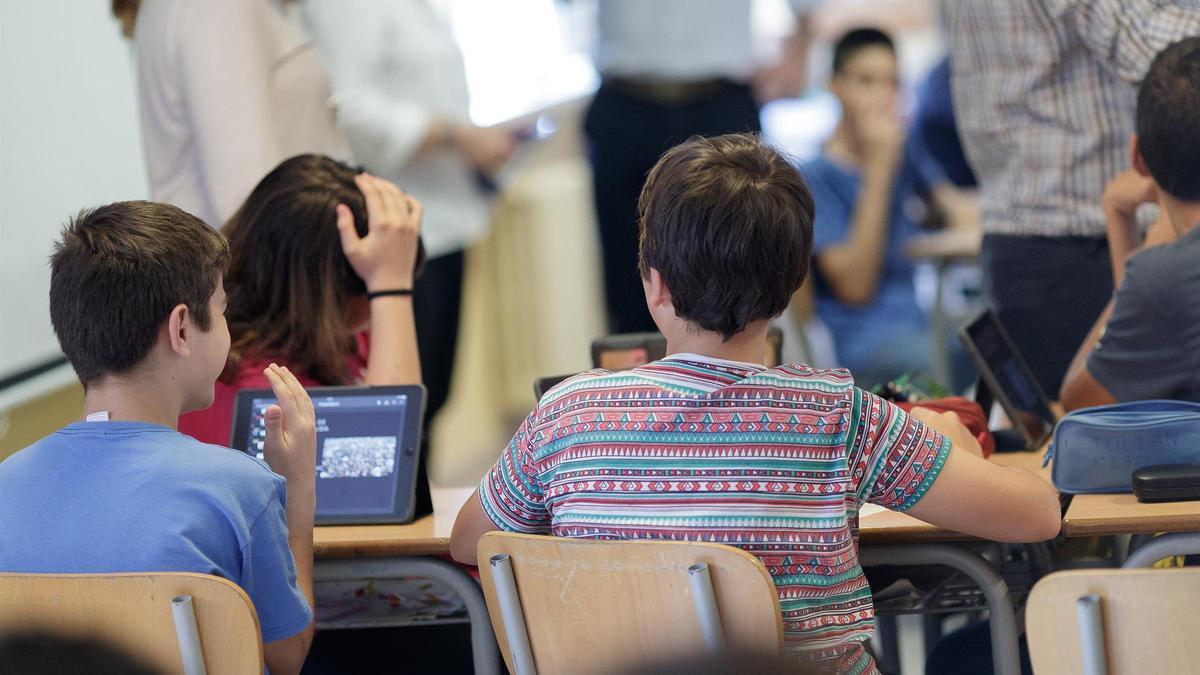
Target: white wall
68	139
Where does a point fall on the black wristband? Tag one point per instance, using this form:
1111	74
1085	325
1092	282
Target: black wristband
371	295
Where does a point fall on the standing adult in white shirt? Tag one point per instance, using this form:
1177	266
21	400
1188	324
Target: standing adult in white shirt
227	89
670	69
401	89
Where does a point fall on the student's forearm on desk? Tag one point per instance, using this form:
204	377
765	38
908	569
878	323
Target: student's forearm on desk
853	267
394	358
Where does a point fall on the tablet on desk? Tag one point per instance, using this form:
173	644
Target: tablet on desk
368	448
1008	379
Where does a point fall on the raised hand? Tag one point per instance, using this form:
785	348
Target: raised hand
290	447
386	257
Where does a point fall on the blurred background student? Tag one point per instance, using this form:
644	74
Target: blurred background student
873	185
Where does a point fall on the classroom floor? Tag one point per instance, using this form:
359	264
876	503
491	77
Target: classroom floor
416	650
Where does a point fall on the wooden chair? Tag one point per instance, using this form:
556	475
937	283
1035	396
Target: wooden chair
1118	622
601	606
136	612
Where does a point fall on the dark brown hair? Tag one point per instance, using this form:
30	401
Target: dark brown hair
289	282
1168	119
116	274
727	222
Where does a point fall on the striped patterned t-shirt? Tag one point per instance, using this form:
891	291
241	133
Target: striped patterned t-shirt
774	461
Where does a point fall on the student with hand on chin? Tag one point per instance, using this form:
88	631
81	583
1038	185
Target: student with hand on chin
1146	344
871	185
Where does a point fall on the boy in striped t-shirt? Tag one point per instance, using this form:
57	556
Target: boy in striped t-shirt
709	445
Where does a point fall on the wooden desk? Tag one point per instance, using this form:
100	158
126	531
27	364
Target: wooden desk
1096	515
355	552
425	536
1176	523
891	538
891	527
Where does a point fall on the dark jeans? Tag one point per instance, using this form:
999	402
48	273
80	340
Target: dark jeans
437	298
1048	292
627	135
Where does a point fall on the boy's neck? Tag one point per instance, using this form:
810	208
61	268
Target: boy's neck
1184	215
748	346
133	398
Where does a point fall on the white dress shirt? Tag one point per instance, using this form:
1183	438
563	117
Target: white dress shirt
227	89
678	40
396	68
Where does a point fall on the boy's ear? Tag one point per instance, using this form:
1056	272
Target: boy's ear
657	293
179	326
1135	157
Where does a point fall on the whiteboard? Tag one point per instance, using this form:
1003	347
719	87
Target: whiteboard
69	139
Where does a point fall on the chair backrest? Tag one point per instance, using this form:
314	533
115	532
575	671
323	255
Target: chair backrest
133	612
602	606
1149	619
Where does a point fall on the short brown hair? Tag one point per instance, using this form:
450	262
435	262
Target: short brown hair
728	223
116	274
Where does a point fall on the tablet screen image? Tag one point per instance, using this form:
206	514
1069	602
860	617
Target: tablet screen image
366	450
1006	373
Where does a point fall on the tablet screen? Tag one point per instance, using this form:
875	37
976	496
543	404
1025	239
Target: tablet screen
1003	368
360	438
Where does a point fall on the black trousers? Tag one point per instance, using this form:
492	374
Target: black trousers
627	135
437	299
1048	292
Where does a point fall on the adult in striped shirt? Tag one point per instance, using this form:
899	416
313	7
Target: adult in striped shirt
1044	92
709	445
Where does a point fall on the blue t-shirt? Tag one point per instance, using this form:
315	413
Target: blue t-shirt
135	497
859	332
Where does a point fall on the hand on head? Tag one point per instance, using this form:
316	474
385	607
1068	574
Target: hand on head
386	257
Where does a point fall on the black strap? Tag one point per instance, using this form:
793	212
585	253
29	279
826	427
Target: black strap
394	291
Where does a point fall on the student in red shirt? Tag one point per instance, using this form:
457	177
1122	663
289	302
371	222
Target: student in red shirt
320	281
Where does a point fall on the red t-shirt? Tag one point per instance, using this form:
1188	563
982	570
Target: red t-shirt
214	424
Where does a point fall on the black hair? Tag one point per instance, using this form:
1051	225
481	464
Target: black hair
1168	119
858	39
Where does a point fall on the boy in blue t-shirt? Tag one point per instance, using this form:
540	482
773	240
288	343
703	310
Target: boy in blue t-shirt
871	189
137	302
